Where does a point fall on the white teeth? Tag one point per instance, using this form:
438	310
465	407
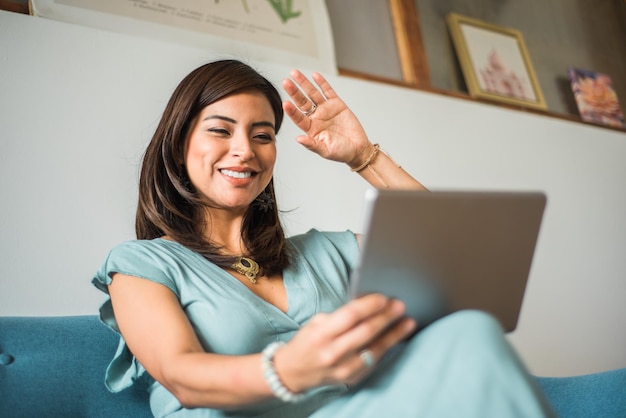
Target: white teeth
237	174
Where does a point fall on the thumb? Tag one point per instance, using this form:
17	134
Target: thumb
308	142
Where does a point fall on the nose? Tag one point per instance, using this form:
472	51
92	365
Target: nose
241	146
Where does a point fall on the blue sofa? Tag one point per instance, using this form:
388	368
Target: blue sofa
54	367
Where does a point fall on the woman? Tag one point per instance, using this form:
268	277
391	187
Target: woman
230	318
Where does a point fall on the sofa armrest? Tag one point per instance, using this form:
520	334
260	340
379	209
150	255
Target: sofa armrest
593	395
55	366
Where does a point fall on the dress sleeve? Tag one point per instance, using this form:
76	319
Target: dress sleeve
142	259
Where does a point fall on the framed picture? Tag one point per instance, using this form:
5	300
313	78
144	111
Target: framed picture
495	62
595	97
297	34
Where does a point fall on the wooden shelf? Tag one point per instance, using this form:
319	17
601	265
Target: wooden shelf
17	6
464	96
412	52
426	60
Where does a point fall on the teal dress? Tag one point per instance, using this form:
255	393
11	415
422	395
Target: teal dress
462	361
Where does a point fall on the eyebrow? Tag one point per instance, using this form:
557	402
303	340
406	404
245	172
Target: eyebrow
231	120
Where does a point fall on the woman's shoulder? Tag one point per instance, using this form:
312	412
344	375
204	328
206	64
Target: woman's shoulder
328	256
315	236
315	242
157	260
153	248
142	244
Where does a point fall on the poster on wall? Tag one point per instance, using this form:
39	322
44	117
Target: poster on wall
595	97
291	32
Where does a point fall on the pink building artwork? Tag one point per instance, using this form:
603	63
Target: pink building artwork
499	79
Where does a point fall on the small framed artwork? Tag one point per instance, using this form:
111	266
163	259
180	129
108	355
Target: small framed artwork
495	62
595	97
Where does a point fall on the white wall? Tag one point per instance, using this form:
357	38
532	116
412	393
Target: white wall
78	105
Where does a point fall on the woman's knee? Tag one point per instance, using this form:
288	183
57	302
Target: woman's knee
467	327
477	321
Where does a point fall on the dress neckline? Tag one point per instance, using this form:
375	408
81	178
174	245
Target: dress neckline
300	307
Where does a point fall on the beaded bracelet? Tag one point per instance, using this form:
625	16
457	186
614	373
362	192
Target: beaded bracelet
269	373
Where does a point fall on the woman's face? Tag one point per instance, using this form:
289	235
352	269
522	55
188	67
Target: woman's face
231	150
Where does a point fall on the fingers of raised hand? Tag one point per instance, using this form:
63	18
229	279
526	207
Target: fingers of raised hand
307	88
307	97
305	104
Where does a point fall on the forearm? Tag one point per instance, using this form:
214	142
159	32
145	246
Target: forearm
326	351
382	172
216	381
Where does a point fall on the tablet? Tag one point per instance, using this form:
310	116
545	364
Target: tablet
444	251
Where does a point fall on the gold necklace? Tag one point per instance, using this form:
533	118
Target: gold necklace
248	267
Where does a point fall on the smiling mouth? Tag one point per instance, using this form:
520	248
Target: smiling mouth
237	174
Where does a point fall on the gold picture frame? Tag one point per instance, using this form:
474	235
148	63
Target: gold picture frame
495	62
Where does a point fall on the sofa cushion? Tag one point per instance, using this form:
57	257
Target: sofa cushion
601	394
55	366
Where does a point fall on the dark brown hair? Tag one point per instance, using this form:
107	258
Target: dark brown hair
168	205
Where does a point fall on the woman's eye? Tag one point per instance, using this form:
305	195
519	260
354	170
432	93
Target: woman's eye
218	131
264	137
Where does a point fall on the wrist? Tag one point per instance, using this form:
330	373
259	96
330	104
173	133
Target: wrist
274	381
364	158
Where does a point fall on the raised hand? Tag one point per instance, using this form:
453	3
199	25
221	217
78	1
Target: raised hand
330	128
